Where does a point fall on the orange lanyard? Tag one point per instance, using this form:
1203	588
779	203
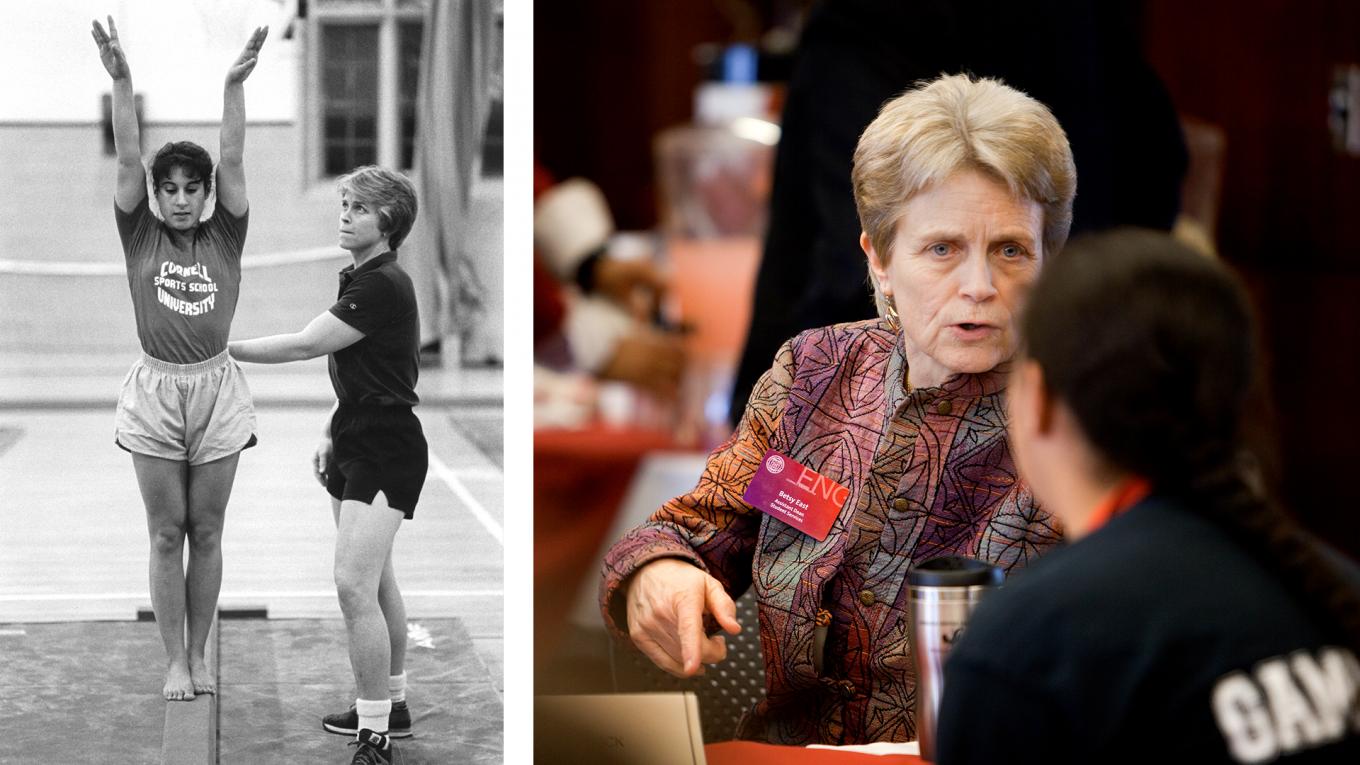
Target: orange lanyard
1128	493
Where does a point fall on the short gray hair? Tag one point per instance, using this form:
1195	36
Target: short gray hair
958	123
390	193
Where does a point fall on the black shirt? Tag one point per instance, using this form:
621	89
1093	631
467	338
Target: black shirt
1157	638
379	300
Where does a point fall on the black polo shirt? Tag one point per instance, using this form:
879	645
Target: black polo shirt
379	300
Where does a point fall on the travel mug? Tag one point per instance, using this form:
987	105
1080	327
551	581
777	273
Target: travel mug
944	592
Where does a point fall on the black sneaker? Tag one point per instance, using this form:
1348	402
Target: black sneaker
374	749
347	723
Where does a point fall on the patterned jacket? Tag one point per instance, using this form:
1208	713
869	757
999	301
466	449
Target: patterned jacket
929	473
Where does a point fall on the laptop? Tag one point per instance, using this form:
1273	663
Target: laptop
618	729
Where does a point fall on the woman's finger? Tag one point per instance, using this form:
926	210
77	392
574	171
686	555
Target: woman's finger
721	605
647	621
714	649
689	622
653	650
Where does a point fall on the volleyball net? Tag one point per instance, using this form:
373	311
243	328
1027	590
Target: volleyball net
64	307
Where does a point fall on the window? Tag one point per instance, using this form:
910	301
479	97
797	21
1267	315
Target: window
365	67
411	33
349	94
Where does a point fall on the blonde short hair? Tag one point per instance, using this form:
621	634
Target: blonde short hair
959	123
390	193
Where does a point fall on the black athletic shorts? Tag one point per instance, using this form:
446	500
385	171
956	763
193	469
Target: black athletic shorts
377	448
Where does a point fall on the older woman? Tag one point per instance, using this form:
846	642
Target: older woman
963	187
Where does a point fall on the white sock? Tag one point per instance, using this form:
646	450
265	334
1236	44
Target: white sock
373	714
396	686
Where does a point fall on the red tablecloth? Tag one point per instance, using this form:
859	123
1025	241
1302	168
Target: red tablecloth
580	479
749	753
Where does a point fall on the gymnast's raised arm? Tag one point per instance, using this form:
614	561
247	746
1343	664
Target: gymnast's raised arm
130	187
231	172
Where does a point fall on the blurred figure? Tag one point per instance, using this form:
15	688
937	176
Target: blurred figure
1190	611
607	292
963	188
1081	59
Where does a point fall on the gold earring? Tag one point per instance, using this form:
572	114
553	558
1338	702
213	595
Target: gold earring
889	307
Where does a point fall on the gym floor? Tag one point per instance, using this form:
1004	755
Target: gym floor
73	572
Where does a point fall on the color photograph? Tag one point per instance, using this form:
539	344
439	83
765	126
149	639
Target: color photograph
945	382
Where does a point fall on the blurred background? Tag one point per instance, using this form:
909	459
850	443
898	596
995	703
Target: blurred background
414	85
1237	124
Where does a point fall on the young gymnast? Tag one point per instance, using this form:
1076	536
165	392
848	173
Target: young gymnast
373	455
184	411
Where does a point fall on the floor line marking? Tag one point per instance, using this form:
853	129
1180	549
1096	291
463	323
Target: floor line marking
490	473
244	594
451	480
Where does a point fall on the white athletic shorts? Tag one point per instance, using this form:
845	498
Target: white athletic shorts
193	413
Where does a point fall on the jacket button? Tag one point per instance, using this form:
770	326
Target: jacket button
900	504
867	597
944	407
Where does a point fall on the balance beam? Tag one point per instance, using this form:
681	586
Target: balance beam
190	734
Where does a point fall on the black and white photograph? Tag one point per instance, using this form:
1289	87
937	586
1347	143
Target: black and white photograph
251	381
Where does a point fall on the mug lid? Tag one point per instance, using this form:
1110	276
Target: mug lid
955	571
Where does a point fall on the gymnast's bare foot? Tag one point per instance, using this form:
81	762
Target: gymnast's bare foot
179	686
202	678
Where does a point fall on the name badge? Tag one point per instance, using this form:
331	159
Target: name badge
796	495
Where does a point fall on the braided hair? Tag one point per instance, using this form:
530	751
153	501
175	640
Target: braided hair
1151	346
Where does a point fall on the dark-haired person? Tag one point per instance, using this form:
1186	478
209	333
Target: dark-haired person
373	456
184	412
1191	620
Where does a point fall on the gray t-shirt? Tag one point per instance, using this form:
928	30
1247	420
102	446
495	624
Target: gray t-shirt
184	299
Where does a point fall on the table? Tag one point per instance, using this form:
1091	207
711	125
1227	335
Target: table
580	478
751	753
